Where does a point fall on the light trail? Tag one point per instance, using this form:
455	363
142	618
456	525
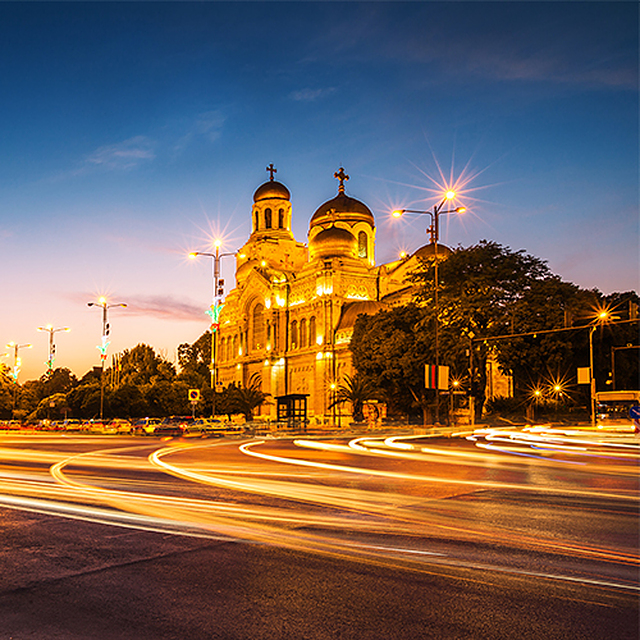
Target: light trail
358	448
299	497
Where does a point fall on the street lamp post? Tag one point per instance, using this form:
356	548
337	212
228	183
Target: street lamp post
214	311
434	231
17	362
602	317
52	347
102	302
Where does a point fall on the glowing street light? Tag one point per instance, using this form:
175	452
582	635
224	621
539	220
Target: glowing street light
52	347
602	316
434	231
17	363
102	302
214	311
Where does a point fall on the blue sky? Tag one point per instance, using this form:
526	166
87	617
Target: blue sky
133	133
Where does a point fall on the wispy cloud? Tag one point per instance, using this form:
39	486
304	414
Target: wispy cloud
207	126
160	307
310	95
123	155
164	308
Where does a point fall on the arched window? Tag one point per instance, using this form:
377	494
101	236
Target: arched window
362	245
255	220
223	346
258	327
303	333
281	219
294	334
312	331
235	353
267	218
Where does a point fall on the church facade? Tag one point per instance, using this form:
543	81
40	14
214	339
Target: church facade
288	322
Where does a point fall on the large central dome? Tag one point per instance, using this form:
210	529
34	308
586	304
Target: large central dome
342	208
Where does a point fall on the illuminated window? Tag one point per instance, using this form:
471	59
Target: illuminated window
303	333
281	219
258	327
267	218
362	245
294	334
312	331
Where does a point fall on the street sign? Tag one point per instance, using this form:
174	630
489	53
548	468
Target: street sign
436	377
584	375
194	395
634	412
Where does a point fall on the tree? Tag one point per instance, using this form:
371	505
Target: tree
61	380
126	401
247	399
357	391
141	365
53	407
621	333
194	360
554	305
84	400
479	289
6	392
389	352
166	398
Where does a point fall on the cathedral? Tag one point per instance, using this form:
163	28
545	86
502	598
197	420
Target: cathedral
287	324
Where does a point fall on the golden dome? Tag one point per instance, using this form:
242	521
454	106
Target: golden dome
333	242
343	208
271	190
427	252
245	268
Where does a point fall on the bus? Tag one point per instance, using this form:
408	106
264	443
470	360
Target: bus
612	408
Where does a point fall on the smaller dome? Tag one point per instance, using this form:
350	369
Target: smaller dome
352	310
271	189
429	250
245	268
333	242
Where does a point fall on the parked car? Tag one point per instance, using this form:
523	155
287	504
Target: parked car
168	430
72	424
121	426
146	426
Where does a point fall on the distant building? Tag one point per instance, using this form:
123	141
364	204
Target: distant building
289	320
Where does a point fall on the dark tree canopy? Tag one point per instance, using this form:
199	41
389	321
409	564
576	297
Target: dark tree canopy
194	360
390	350
486	292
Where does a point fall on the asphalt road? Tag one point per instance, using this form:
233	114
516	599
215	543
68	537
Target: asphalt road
113	538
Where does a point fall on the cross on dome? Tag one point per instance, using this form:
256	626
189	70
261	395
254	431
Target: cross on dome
271	169
342	176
